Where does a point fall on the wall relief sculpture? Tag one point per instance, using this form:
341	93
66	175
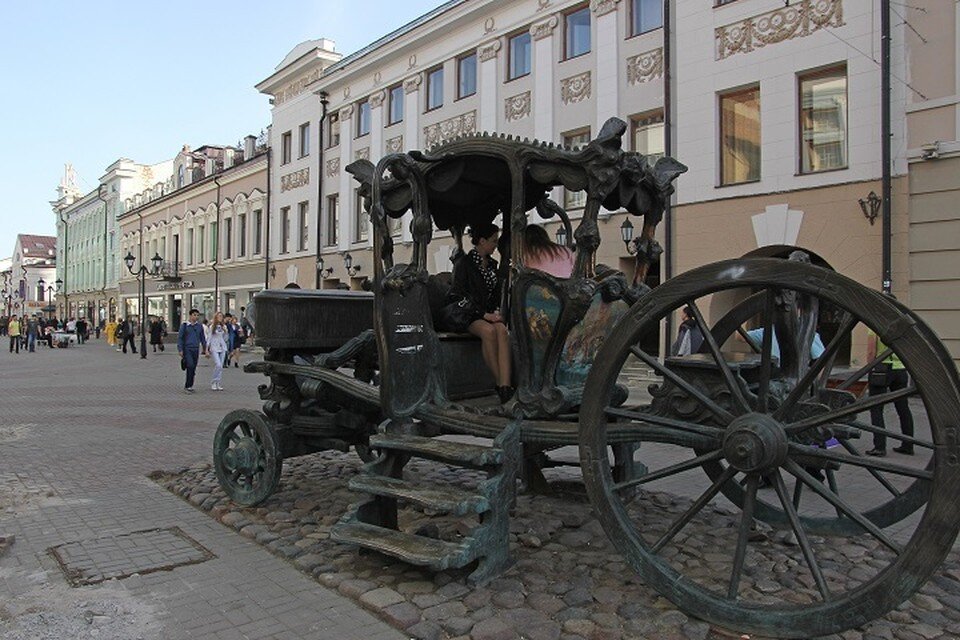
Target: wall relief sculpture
448	129
786	23
645	66
575	88
517	107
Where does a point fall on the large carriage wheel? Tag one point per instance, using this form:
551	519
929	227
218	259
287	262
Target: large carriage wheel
247	457
769	431
893	505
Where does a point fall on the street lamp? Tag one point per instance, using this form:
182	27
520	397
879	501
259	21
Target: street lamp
321	272
870	207
626	234
352	269
155	263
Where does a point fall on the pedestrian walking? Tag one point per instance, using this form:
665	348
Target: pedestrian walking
217	348
129	332
889	375
112	332
239	337
158	330
190	341
13	330
33	332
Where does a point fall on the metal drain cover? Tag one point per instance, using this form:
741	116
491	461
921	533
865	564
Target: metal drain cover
121	556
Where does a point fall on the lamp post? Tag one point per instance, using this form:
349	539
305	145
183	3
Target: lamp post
646	249
141	274
321	272
870	206
352	269
562	236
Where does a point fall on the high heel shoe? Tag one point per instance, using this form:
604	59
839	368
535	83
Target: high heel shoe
505	392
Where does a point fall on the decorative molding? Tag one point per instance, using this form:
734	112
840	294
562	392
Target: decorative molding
544	29
645	66
412	61
542	4
448	129
489	50
296	179
786	23
575	88
517	107
376	99
412	83
362	154
377	78
295	88
395	145
777	225
333	167
488	25
346	113
346	93
603	7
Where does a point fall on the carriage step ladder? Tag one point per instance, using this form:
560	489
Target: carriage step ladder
372	523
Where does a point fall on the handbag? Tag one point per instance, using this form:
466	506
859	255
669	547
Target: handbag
879	376
183	364
457	315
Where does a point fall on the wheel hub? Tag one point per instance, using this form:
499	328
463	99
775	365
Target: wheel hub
755	442
245	455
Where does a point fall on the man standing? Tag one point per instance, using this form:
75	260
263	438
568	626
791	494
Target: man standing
129	333
13	330
190	340
33	331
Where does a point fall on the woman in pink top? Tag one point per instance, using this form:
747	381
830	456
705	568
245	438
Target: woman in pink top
545	255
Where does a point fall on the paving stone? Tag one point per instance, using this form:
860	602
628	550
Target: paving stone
579	626
401	615
425	630
445	610
355	588
545	602
508	599
381	598
457	626
493	629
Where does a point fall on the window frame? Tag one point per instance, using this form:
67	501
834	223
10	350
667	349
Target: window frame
242	235
835	70
304	135
429	94
284	230
361	233
398	89
566	31
638	120
332	223
361	106
227	239
721	96
631	13
258	232
286	147
303	225
575	133
333	140
476	73
510	38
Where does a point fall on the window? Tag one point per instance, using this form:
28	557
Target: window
201	238
648	135
575	199
214	243
242	235
435	89
646	15
228	241
576	31
257	231
518	55
395	106
39	293
466	75
284	229
333	220
333	137
303	210
304	139
286	144
361	218
740	136
180	176
363	118
823	120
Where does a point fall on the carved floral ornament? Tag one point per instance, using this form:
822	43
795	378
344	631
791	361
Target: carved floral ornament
544	29
295	179
346	113
295	88
645	66
786	23
376	99
489	50
575	88
448	129
362	154
603	7
517	107
412	83
333	167
395	145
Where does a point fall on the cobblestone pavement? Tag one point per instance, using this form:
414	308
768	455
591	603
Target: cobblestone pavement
80	429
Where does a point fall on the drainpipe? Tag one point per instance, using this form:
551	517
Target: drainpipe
666	270
323	116
216	251
885	142
266	247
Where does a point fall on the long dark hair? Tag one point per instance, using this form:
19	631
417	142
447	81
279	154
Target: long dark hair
482	230
537	244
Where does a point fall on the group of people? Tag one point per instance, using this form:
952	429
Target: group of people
219	339
27	330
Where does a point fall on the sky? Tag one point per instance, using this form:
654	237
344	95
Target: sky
93	81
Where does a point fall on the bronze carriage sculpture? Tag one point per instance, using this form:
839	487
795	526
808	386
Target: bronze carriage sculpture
369	371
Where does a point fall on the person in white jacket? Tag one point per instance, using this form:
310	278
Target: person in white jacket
217	349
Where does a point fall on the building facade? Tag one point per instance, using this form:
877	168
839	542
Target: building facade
88	259
32	276
207	224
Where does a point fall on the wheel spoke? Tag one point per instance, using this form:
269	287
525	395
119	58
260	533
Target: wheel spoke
245	428
735	389
856	375
673	469
235	475
802	539
832	483
819	365
750	341
863	426
851	409
876	474
722	414
797	492
706	430
694	509
801	452
233	437
746	522
766	352
796	470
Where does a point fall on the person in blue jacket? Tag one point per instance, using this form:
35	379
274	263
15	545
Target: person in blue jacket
190	342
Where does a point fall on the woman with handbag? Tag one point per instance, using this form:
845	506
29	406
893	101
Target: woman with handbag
218	349
473	304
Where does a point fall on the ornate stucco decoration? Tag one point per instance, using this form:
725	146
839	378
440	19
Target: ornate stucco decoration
645	66
451	128
412	83
346	93
362	154
544	28
603	7
333	167
377	78
488	25
395	145
575	88
412	61
295	179
489	50
542	4
295	88
376	99
517	107
346	113
786	23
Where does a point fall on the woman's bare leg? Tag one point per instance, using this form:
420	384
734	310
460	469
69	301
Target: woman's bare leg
488	346
503	354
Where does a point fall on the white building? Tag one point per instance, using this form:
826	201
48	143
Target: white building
33	274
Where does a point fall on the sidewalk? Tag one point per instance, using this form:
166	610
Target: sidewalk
80	430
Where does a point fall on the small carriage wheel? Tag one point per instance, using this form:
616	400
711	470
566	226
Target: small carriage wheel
897	507
752	444
247	457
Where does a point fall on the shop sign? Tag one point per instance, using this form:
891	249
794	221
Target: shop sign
174	286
